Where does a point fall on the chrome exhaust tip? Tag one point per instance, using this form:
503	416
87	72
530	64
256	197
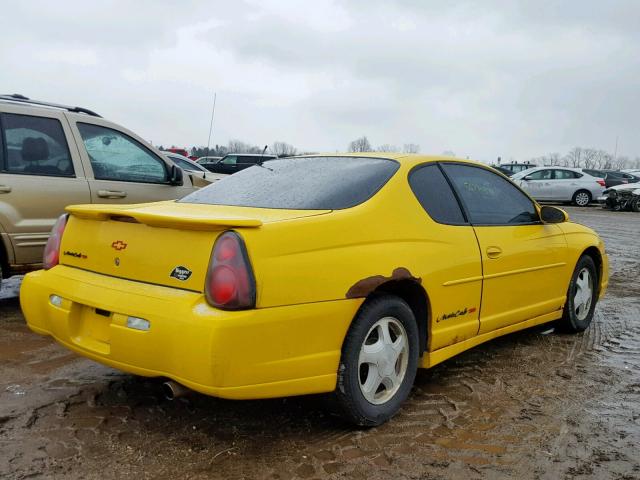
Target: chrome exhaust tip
173	390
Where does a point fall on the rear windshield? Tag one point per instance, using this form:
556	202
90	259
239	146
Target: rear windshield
308	183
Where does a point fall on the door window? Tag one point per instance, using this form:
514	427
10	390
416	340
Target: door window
229	160
540	175
35	146
565	175
489	198
116	156
435	195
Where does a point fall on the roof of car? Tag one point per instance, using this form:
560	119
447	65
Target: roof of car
17	99
409	159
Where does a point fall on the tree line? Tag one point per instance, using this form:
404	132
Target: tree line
284	149
362	144
579	157
280	149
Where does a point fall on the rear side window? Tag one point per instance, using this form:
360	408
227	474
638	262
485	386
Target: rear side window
489	198
435	195
303	183
565	174
35	146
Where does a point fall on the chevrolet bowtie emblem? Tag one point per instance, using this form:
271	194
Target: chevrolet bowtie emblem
119	245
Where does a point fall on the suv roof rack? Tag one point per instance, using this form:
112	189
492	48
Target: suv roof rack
16	97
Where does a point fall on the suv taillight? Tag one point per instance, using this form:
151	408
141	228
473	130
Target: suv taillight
601	182
230	284
52	250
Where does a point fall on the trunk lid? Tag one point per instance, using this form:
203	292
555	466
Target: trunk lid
164	243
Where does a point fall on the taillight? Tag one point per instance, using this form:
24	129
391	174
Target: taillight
230	284
52	250
601	182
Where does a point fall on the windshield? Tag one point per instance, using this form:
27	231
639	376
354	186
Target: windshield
306	183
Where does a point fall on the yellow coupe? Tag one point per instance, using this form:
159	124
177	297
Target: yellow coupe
326	273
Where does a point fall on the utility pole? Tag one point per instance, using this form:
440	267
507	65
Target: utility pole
213	112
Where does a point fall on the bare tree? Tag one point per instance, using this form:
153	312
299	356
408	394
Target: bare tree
620	163
411	148
238	146
360	145
589	156
283	149
554	159
387	148
574	157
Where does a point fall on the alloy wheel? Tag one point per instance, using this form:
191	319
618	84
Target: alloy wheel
583	295
383	359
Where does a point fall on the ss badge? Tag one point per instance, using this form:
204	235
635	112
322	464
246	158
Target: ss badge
181	273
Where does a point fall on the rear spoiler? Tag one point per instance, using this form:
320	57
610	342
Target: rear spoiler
161	215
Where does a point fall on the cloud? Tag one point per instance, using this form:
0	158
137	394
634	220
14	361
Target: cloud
484	79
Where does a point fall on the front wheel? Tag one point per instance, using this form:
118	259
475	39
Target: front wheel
379	361
581	198
582	296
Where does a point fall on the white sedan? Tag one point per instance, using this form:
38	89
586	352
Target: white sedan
560	184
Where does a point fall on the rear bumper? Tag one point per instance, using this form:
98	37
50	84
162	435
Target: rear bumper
271	352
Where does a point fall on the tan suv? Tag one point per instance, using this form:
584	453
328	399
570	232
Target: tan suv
52	156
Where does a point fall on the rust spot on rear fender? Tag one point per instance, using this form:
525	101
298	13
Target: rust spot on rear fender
364	287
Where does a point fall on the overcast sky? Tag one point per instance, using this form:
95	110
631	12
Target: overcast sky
481	79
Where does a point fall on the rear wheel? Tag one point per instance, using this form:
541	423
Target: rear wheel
379	361
582	296
635	205
581	198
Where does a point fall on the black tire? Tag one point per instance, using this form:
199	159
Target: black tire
578	197
635	205
571	322
350	399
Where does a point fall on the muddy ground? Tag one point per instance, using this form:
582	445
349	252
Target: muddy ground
529	405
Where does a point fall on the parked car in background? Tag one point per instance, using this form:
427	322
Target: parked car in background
504	171
52	156
560	184
192	167
341	273
514	167
622	197
612	177
235	162
208	159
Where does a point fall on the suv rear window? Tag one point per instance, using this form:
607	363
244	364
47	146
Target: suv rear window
307	183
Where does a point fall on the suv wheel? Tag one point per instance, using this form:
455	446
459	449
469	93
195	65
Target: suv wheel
581	198
379	361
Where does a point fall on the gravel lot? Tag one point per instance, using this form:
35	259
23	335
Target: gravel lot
534	404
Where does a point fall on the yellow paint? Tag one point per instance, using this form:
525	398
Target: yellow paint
506	277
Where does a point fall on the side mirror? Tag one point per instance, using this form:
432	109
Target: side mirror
527	178
176	176
549	214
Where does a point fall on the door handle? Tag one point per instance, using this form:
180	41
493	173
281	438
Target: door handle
111	194
494	252
5	189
